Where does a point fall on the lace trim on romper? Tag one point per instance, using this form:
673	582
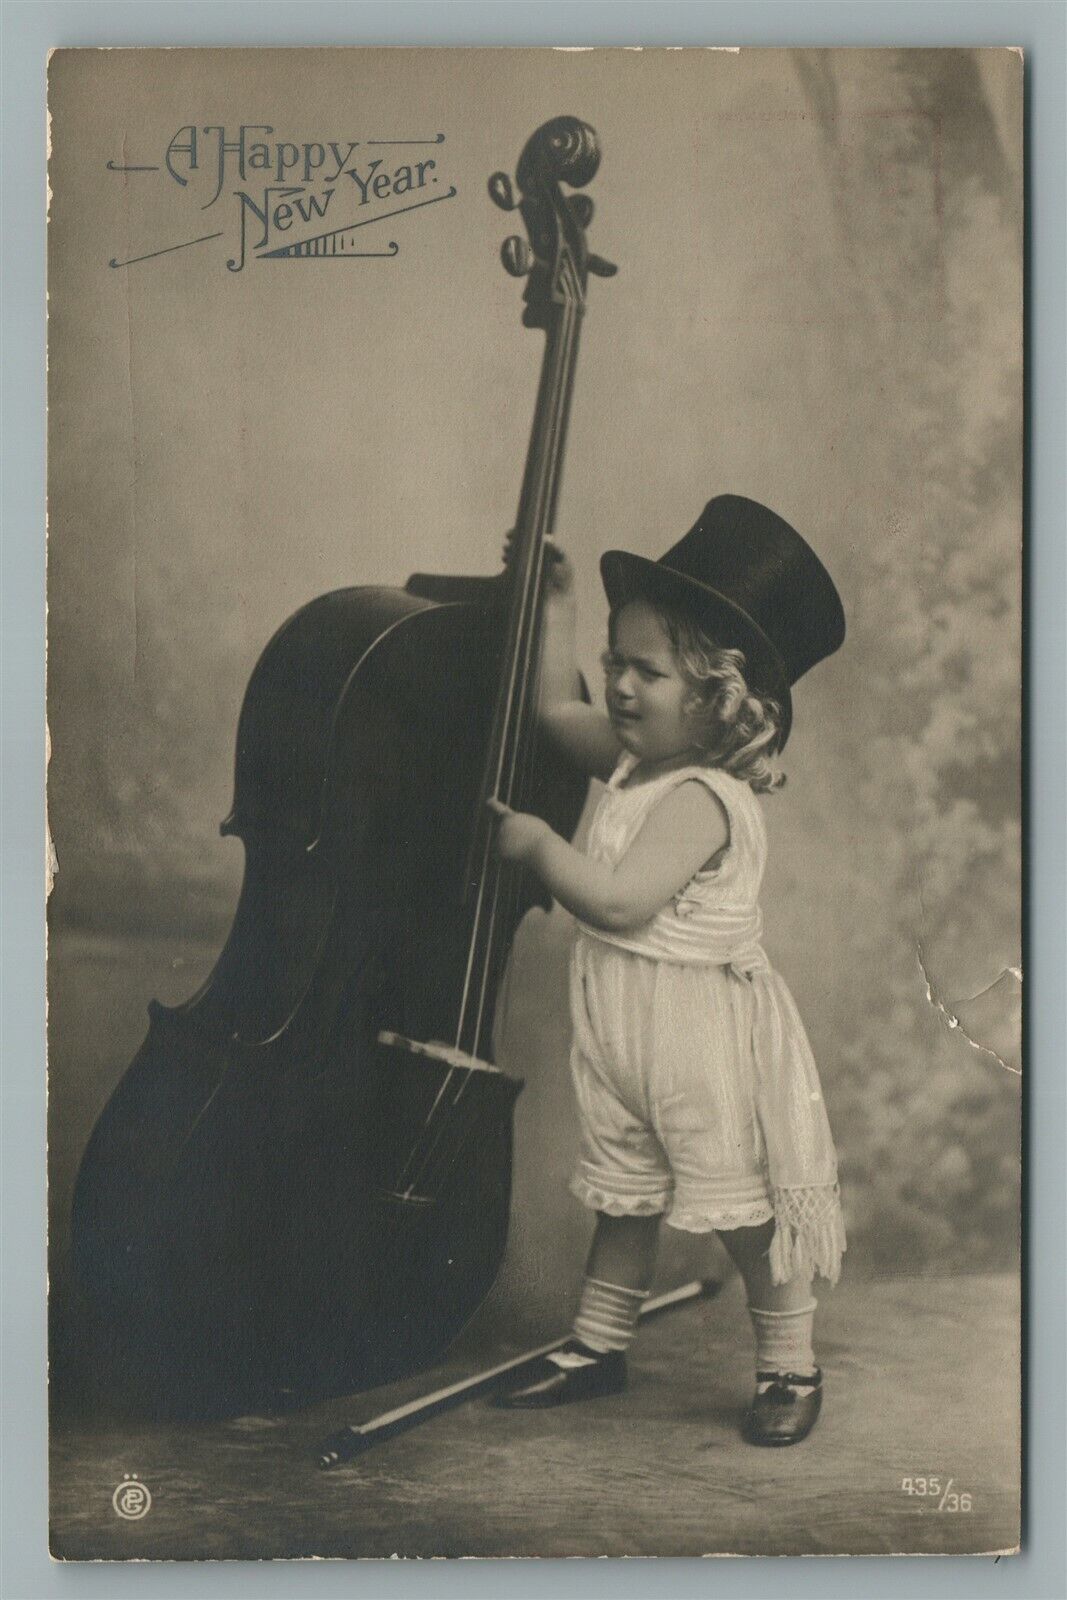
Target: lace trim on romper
722	1218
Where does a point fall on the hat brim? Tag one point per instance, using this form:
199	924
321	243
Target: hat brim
628	577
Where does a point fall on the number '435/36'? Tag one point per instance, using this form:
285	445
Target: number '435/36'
948	1498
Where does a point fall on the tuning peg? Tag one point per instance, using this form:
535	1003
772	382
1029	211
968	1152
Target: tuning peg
581	209
501	192
517	256
601	268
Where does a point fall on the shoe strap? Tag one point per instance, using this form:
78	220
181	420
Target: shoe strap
792	1380
569	1359
574	1353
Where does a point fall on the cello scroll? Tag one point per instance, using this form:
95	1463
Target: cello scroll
554	255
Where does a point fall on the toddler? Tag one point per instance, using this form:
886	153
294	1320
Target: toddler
697	1094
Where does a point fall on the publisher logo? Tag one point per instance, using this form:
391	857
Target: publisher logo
131	1499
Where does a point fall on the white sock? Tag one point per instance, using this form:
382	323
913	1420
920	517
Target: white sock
783	1340
606	1319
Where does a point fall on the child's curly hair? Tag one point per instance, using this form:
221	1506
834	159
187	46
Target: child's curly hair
738	728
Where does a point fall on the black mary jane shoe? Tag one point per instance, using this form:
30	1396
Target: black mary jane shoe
552	1385
785	1412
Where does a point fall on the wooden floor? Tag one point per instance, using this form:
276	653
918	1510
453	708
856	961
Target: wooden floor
921	1382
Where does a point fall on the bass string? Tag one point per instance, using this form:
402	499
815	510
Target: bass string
489	867
517	724
430	1137
493	876
508	881
513	878
492	779
421	1150
433	1173
526	707
507	885
548	450
405	1183
440	1120
438	1157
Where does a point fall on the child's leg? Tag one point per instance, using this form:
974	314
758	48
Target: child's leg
749	1249
622	1258
623	1251
783	1412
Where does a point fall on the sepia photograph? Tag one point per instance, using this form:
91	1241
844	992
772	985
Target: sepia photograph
535	551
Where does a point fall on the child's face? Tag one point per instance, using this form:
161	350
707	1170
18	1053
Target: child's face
646	694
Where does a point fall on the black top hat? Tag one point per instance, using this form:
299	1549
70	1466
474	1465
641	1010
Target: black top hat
753	582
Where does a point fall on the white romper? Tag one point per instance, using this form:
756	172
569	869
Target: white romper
696	1088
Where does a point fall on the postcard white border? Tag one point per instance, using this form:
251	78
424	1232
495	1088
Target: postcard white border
29	30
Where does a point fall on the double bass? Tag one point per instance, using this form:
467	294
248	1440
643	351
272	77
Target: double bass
301	1185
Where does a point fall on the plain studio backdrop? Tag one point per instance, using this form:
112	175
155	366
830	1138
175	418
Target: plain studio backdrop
818	305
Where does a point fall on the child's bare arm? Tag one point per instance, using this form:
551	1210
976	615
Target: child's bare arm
685	829
583	733
560	682
585	736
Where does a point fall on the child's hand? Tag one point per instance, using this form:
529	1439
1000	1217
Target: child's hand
518	834
559	571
